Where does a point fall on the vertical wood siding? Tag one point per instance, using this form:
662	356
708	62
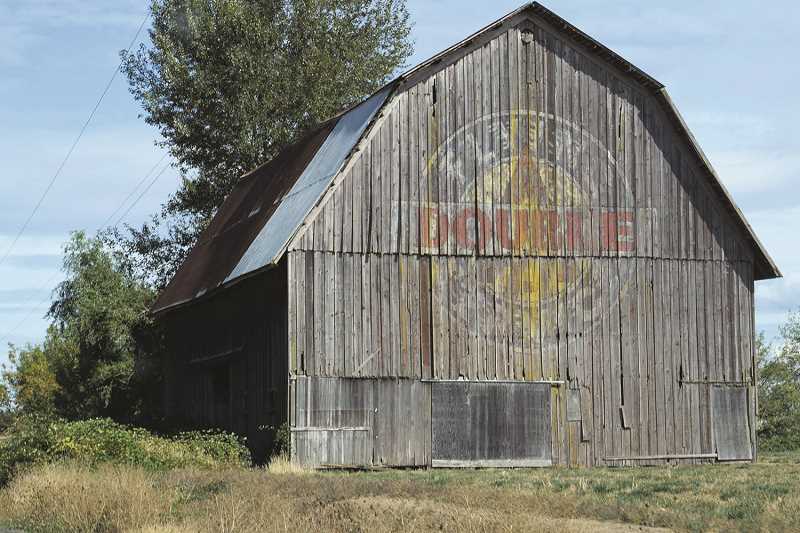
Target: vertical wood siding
242	333
528	213
351	421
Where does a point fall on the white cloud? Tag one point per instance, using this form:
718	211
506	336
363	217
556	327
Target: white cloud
32	244
779	294
47	14
26	24
14	40
777	229
749	171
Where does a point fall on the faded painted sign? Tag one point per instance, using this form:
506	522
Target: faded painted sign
529	192
529	189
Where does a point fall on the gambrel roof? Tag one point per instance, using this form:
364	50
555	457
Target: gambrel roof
269	205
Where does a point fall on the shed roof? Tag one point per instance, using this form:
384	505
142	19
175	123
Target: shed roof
256	222
258	218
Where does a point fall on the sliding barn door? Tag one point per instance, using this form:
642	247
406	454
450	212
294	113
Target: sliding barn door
729	406
490	424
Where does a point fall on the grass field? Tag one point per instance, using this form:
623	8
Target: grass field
761	497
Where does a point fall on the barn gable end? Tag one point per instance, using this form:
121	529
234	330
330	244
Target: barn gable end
523	210
592	65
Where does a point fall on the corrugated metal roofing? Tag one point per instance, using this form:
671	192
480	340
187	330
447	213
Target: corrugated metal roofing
245	212
258	218
271	241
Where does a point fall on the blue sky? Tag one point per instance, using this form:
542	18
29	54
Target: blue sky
730	66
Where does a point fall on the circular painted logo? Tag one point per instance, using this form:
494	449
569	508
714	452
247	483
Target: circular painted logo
518	184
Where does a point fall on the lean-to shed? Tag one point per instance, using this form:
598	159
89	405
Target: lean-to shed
514	254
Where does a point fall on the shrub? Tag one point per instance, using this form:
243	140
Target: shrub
223	448
35	439
282	443
26	442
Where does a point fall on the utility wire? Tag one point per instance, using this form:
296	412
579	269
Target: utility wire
72	148
133	191
152	182
104	224
119	207
58	173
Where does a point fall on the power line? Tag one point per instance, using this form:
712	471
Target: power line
47	283
133	191
152	182
58	173
72	148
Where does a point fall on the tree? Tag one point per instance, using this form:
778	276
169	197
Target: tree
31	379
779	389
101	333
228	83
6	409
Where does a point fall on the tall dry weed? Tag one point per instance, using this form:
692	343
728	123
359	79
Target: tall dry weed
75	498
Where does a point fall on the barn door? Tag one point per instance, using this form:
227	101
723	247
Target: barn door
729	409
490	424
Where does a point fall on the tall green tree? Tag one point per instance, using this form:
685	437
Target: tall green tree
100	338
779	389
228	83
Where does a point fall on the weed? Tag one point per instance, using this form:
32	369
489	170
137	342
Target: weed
76	497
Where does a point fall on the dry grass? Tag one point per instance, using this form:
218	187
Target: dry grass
281	465
762	497
71	498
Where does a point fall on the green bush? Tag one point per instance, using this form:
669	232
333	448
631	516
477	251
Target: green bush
281	440
35	439
25	442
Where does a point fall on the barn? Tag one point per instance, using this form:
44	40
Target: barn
514	254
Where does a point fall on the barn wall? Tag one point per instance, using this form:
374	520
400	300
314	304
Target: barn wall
528	213
356	421
234	341
526	150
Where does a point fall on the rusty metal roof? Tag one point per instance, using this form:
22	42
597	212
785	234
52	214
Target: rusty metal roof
246	210
268	247
258	218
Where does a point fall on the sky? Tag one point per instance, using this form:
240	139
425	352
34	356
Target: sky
730	67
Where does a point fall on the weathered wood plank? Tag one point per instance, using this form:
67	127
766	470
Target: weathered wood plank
347	325
426	289
404	317
331	353
401	147
292	311
412	135
375	319
491	319
319	314
388	310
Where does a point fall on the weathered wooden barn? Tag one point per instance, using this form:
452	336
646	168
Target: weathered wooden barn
515	254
